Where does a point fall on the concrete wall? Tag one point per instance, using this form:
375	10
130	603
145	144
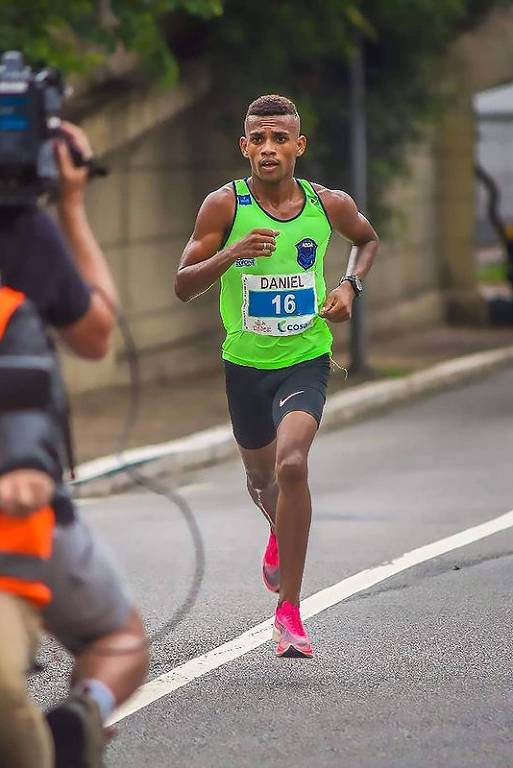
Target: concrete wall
143	214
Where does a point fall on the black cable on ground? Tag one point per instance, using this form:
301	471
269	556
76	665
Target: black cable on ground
174	498
171	495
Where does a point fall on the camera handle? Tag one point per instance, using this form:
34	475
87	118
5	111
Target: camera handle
94	167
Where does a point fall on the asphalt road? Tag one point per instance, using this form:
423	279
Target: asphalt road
414	672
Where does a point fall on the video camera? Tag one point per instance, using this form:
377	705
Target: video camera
30	119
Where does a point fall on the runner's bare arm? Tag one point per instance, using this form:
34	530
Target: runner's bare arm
350	223
202	263
346	219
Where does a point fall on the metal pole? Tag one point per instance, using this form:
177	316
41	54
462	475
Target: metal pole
358	134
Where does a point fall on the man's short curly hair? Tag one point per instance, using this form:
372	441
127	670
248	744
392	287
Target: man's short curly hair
272	104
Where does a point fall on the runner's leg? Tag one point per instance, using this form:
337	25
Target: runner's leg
294	509
261	478
250	395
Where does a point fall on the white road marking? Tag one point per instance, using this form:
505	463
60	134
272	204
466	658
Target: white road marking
326	598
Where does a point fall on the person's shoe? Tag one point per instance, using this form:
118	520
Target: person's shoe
271	564
78	733
289	633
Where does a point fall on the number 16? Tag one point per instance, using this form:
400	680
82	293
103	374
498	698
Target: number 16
289	304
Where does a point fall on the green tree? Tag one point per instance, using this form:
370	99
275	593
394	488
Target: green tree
303	50
405	63
297	47
75	35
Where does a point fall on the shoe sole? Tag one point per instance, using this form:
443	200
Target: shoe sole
291	652
269	587
294	653
267	584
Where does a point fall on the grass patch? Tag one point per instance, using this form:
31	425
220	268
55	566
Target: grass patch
492	274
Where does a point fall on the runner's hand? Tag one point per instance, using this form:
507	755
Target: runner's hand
23	491
259	242
338	305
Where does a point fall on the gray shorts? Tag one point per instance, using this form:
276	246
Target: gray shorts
89	599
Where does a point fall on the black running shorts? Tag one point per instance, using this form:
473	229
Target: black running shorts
258	399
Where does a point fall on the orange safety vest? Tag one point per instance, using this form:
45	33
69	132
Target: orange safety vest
25	542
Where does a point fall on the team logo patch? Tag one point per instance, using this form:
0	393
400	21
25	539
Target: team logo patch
244	199
306	252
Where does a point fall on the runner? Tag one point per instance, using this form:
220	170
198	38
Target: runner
265	238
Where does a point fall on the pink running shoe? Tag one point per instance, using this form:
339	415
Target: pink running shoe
271	564
289	633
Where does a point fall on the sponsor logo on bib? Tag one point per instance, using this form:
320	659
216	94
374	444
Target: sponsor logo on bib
288	327
259	326
245	263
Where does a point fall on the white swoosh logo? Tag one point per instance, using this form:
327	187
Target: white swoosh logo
282	402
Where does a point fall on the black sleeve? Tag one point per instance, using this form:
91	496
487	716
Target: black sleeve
32	438
35	438
29	440
34	259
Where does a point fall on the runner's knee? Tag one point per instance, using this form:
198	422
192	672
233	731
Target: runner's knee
292	468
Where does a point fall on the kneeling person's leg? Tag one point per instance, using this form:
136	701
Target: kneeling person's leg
91	615
24	737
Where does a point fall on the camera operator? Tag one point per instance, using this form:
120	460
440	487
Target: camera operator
34	259
70	285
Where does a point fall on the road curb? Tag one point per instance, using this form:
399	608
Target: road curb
109	474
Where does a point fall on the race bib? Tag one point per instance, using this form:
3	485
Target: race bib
278	305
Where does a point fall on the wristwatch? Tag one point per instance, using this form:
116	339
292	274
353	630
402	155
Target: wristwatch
356	283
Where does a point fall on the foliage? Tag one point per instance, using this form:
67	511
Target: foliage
296	47
404	75
75	35
304	49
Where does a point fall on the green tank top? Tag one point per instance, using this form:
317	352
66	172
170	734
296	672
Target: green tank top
270	306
